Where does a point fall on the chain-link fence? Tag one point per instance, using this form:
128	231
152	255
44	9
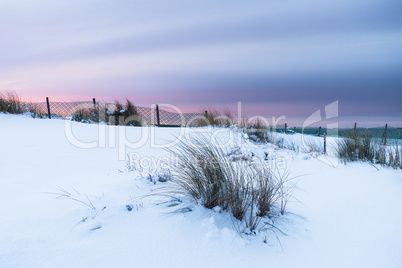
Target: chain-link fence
116	113
107	112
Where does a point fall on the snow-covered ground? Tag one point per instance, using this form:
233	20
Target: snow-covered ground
344	216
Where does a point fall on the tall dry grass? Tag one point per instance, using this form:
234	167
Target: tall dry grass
214	117
11	103
205	174
363	147
127	114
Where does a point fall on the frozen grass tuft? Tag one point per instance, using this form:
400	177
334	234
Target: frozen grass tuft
206	175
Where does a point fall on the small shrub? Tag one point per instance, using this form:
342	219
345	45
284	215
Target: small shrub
212	117
346	149
10	102
127	115
259	133
84	116
365	148
361	147
208	118
3	105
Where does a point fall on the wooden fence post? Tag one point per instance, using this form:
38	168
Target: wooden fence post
325	143
157	115
319	131
48	107
354	131
93	100
286	128
385	134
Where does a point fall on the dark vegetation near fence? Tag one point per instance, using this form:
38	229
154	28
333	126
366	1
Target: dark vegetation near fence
357	144
124	115
96	112
127	115
362	146
214	117
352	145
86	115
376	132
10	102
117	114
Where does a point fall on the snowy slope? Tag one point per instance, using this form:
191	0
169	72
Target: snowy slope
347	216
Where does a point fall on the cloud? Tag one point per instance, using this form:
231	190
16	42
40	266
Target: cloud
289	52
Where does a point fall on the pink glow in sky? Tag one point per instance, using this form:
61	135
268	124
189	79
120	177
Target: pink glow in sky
276	57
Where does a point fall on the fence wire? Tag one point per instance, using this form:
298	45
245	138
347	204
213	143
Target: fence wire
108	112
73	110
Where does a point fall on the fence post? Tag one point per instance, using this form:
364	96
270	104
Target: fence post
325	143
286	128
48	107
385	134
157	115
354	131
319	131
93	100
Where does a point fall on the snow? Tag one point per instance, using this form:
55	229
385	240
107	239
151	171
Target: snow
342	215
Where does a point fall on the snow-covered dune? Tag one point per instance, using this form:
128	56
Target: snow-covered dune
341	215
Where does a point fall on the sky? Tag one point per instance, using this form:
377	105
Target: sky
278	58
